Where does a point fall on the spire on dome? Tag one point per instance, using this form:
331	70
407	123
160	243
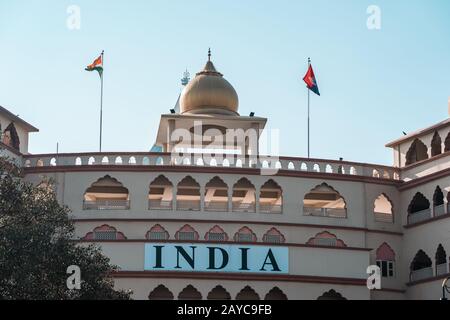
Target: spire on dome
209	67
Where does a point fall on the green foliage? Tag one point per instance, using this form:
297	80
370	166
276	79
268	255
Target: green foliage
36	245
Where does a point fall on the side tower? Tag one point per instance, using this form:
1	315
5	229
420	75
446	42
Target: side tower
424	160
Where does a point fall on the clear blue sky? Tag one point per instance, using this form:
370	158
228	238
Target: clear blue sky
374	83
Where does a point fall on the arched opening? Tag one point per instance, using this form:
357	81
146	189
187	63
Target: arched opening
271	198
190	293
436	144
160	196
157	233
188	195
441	261
324	201
418	209
275	294
420	267
216	233
273	236
10	137
245	234
438	202
186	233
418	151
247	293
160	293
383	209
218	293
447	143
104	233
216	195
106	194
385	259
331	295
243	198
326	239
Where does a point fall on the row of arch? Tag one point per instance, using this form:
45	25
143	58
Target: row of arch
418	151
420	208
161	292
215	234
322	200
421	266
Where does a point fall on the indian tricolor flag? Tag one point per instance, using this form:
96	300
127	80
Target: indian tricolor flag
96	65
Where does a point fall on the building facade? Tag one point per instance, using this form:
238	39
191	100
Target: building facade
225	222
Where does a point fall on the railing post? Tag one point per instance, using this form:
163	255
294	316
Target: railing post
202	198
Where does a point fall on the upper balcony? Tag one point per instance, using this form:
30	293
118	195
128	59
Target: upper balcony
268	165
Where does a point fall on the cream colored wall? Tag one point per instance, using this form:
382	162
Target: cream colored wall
293	234
359	198
294	290
302	261
426	291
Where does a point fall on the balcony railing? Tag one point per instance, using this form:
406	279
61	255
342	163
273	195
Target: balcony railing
232	161
441	269
419	216
421	274
106	205
160	204
216	206
188	205
328	242
383	217
243	207
270	208
325	212
439	210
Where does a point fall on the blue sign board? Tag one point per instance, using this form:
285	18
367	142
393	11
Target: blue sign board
216	258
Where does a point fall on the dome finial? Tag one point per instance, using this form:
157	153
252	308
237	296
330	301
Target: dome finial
209	54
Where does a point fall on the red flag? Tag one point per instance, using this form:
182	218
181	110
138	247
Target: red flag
310	80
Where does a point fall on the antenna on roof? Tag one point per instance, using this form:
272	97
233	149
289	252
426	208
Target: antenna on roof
185	79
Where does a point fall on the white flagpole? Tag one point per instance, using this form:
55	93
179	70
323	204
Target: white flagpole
309	63
101	102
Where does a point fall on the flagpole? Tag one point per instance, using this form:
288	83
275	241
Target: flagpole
101	103
309	63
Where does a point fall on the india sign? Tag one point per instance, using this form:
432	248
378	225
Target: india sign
216	258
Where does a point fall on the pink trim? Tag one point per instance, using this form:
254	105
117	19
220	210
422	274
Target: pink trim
385	253
186	228
326	235
245	230
216	229
275	232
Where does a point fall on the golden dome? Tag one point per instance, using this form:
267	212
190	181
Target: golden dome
209	93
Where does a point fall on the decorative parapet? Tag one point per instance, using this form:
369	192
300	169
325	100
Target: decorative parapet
268	163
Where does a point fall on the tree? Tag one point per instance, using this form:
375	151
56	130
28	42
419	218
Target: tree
37	247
